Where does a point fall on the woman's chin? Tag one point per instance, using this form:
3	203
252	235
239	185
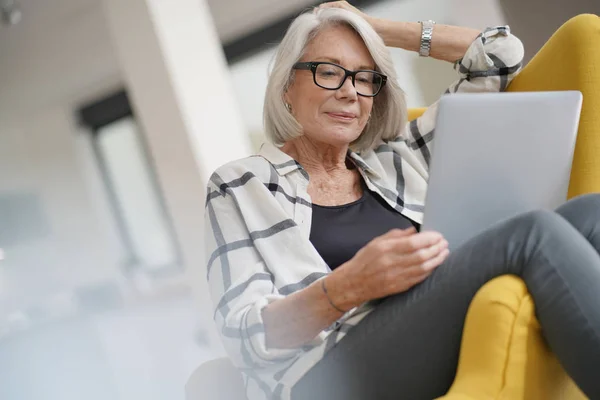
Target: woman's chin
342	135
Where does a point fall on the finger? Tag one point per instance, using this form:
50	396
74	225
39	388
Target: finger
392	249
418	273
419	241
419	257
435	262
386	245
331	4
427	267
336	4
394	242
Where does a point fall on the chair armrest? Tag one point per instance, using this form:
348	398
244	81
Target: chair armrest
503	354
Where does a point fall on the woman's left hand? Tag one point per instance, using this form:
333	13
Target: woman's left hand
349	7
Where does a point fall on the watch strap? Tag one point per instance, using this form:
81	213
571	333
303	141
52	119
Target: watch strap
426	36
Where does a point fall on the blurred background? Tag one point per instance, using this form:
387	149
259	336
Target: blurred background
113	114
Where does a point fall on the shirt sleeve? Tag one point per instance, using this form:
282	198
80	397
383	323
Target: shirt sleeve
240	284
490	63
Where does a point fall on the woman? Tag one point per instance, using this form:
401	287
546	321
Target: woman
323	287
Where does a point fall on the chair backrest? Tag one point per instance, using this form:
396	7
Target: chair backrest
570	60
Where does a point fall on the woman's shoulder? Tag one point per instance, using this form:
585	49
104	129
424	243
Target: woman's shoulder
238	172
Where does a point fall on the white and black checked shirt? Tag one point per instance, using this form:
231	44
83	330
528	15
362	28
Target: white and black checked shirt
258	218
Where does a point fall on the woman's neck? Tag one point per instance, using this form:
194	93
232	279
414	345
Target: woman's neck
317	158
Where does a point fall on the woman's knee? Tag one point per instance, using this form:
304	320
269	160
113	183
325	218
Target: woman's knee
582	212
540	219
587	203
540	226
545	235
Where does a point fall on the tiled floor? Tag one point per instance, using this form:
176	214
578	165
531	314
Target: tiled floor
146	351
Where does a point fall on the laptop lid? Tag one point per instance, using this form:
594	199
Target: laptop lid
496	155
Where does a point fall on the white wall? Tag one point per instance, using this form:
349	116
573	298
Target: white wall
45	76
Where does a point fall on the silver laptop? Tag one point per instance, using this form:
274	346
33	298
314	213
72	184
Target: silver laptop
496	155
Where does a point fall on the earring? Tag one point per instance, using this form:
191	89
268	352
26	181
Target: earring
288	106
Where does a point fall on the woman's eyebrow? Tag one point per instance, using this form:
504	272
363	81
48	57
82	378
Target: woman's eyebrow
333	60
336	61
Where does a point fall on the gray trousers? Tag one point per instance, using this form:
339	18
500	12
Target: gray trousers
408	347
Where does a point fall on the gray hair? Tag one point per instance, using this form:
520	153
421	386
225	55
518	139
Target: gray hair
389	112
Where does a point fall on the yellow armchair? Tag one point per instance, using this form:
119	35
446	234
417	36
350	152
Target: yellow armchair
503	355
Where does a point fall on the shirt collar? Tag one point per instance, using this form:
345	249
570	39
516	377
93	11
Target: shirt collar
284	164
362	164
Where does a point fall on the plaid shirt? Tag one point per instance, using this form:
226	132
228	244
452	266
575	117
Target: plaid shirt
258	218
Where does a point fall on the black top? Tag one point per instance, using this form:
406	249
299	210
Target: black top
338	232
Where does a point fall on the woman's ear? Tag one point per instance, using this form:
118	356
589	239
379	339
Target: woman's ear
287	98
288	91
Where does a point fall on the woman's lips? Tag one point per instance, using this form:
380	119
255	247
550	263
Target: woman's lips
341	116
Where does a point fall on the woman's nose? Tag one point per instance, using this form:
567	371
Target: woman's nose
347	89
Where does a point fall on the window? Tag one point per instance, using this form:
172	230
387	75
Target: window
133	193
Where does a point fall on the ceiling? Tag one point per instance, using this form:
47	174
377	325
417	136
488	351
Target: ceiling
236	18
233	18
40	15
63	47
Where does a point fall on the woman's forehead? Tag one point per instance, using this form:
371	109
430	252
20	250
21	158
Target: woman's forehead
339	44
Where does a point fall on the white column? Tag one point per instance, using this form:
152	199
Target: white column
178	81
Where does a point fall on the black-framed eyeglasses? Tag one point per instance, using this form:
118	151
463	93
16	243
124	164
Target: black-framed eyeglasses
332	77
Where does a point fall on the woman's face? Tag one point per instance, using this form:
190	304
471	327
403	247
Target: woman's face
333	117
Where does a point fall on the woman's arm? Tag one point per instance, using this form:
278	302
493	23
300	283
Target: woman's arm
389	264
293	321
448	43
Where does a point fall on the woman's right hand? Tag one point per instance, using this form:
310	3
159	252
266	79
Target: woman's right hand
389	264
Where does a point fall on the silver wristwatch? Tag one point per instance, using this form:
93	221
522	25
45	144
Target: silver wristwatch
426	35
